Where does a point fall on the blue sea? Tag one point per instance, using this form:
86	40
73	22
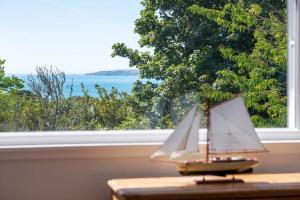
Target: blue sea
121	83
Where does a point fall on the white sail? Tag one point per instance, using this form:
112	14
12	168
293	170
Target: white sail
183	142
231	129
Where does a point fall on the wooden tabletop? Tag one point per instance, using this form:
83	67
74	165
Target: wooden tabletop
254	186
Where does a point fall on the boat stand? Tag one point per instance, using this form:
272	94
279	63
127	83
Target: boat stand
219	180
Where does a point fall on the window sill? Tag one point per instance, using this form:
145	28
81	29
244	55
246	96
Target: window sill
91	144
117	138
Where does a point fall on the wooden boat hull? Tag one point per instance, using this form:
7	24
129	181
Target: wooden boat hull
216	167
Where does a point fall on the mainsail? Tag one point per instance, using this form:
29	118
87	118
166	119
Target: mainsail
183	142
231	129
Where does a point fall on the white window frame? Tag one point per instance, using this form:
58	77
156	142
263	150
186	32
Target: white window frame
293	64
18	140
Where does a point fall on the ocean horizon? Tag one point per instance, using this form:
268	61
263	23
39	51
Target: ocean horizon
121	83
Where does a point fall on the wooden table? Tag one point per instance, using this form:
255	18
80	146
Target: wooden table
255	186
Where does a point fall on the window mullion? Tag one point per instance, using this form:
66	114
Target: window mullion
293	72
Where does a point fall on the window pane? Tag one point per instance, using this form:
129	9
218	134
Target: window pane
101	65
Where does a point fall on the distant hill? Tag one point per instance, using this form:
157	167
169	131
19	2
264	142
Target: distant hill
119	72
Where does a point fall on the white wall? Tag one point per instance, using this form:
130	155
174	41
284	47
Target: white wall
82	173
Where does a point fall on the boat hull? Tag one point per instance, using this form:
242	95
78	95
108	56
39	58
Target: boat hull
216	167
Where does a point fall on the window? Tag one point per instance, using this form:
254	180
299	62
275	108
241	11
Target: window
173	79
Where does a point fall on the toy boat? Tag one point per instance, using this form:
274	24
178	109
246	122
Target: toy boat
230	131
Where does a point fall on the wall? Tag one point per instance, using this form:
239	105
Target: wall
81	173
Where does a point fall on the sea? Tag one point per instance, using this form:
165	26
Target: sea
121	83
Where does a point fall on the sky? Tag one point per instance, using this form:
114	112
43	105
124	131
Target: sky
74	35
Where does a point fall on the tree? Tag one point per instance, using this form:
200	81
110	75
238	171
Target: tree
49	107
8	84
9	88
215	50
259	72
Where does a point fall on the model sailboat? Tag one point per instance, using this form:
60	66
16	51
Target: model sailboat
229	132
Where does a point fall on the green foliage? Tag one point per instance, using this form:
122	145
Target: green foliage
215	50
259	72
9	86
110	110
46	108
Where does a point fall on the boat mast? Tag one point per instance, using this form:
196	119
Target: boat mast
207	128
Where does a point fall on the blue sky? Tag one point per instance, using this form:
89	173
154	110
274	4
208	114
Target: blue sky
74	35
